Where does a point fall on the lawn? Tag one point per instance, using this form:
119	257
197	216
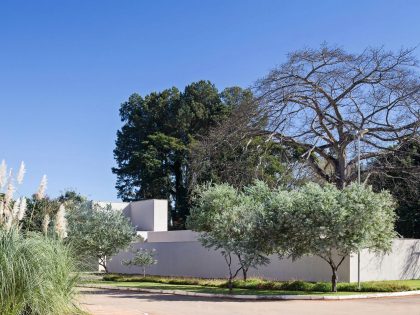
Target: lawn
206	289
253	286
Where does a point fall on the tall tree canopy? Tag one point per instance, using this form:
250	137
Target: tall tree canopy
231	154
152	147
404	186
321	99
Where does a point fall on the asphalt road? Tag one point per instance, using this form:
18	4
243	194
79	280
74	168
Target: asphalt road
112	302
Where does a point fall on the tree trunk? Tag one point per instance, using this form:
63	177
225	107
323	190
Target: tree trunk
180	192
334	280
341	169
244	273
230	285
105	267
144	272
102	263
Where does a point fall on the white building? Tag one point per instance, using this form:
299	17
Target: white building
180	254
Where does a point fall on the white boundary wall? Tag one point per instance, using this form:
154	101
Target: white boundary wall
180	254
402	263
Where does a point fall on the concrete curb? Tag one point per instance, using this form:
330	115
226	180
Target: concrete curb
256	297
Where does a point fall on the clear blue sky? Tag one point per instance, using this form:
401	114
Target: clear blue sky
65	66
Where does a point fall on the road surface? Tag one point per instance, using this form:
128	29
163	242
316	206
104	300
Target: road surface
112	302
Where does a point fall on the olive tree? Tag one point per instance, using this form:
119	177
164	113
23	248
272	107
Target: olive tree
142	258
99	232
332	223
225	218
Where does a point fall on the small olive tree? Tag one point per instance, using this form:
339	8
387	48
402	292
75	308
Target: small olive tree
99	232
142	258
332	223
225	218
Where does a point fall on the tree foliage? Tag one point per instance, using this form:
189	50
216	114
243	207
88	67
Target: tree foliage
404	186
230	153
152	147
323	221
224	217
37	209
142	258
99	232
332	223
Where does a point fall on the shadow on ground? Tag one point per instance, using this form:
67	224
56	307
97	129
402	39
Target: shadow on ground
161	297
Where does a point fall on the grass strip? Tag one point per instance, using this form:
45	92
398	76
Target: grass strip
259	286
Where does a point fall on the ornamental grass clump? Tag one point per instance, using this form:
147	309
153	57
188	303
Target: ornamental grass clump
37	271
36	275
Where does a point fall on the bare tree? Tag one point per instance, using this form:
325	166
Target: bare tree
322	100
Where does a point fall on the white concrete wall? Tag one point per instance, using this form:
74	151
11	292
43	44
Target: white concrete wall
160	219
149	215
402	263
180	254
172	236
145	215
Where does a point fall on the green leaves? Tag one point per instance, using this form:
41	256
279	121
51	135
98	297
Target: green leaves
403	181
142	258
227	219
99	232
153	146
313	220
323	220
38	275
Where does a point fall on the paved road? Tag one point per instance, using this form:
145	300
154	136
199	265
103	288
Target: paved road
108	302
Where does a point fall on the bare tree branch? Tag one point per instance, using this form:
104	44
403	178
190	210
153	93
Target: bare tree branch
320	99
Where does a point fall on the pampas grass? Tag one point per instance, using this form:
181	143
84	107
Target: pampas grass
21	173
61	223
37	275
3	173
40	194
37	272
45	224
10	191
22	209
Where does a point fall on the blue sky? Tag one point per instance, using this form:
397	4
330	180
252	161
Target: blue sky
66	66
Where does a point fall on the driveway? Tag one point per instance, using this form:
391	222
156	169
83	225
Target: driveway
112	302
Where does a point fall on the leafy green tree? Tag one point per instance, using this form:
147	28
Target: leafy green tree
236	152
71	198
99	232
225	218
37	208
142	258
402	179
36	211
323	221
332	223
153	145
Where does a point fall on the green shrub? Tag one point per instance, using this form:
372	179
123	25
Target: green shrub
261	284
374	287
112	277
321	287
297	286
37	275
257	284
